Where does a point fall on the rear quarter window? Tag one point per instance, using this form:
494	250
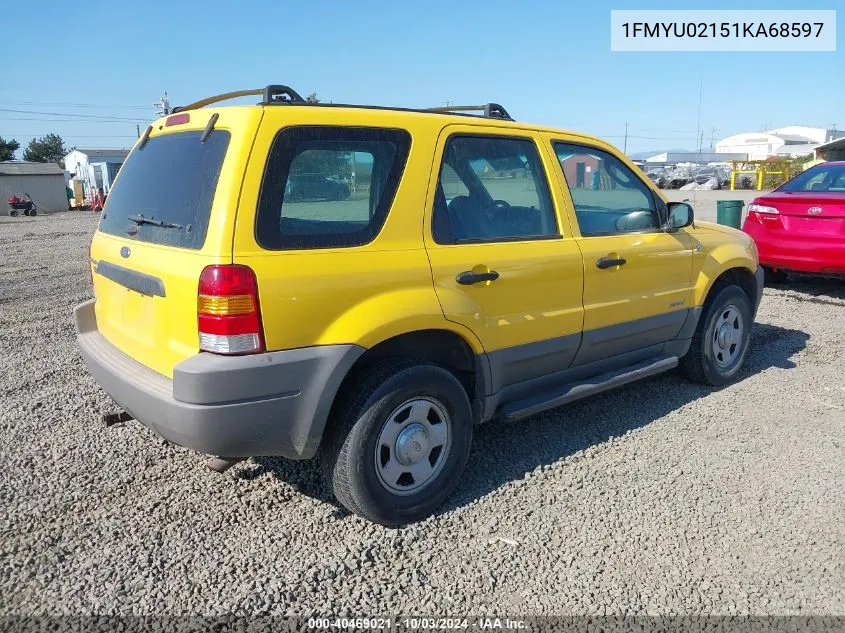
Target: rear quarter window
171	180
329	186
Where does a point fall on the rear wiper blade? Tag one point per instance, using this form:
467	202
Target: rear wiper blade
140	219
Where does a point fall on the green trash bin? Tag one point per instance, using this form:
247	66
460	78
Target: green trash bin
729	213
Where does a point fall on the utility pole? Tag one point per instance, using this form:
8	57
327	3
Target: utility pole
701	141
698	129
163	105
138	130
713	138
625	147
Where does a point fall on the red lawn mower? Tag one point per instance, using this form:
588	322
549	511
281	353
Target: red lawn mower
20	204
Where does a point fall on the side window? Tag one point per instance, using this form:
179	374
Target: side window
609	197
492	189
452	184
327	187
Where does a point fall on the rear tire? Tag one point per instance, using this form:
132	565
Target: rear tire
401	441
13	213
774	277
722	338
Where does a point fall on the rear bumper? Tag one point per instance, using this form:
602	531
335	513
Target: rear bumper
235	406
817	255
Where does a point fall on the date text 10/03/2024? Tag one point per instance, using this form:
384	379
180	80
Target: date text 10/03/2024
416	624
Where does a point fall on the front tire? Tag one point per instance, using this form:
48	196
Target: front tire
400	443
722	338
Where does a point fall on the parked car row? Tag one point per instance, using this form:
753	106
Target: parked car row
304	187
679	176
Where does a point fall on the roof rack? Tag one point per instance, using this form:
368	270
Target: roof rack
273	94
491	110
281	95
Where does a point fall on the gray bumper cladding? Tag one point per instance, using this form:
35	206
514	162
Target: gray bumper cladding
239	406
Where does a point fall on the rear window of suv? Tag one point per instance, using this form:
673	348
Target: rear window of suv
329	186
170	180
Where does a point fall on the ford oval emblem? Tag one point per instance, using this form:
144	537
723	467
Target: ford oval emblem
125	252
814	210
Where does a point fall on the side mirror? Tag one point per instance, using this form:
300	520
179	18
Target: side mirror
680	216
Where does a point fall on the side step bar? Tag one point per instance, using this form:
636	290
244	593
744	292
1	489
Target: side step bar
576	390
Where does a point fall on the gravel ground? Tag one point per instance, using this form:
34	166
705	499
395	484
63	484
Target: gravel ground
659	498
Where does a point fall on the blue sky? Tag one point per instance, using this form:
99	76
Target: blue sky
547	62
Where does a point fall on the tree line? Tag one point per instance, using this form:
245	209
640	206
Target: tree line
46	149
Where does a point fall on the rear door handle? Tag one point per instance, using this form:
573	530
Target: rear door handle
467	278
610	262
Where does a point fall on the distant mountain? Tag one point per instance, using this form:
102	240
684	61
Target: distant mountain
650	153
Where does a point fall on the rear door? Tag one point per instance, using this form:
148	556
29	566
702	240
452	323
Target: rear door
504	264
169	214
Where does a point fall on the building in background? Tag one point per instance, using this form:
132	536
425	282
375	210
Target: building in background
94	169
785	142
832	150
579	169
44	182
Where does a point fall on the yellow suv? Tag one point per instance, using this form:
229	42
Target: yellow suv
369	283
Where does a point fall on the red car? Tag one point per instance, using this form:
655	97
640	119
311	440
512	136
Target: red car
800	226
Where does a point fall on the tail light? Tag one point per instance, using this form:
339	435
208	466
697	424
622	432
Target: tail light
227	309
761	208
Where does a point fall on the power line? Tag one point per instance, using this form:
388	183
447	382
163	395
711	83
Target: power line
71	120
74	105
71	114
76	135
646	138
657	129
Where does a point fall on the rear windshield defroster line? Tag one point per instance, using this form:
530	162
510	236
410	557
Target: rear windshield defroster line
171	181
